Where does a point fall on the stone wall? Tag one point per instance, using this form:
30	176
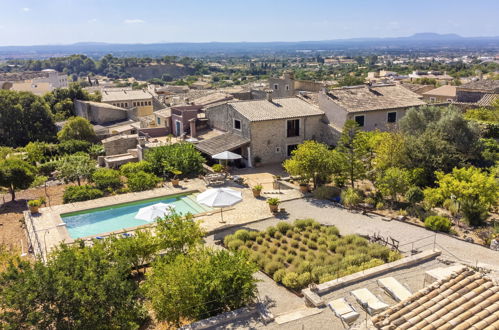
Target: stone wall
269	139
99	113
222	117
119	144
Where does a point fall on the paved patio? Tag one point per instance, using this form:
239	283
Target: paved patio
49	230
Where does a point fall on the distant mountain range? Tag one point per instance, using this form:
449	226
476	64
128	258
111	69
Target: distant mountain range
417	42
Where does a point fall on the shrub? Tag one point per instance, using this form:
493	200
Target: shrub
279	275
290	280
379	252
326	192
414	195
253	235
438	223
249	244
301	224
350	197
283	227
290	258
289	233
303	267
314	237
235	244
332	230
332	246
271	231
135	167
242	234
304	279
277	235
217	168
47	168
105	178
141	181
273	249
272	267
34	203
312	245
228	239
70	147
81	193
259	240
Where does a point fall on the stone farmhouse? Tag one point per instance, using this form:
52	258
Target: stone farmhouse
373	107
267	130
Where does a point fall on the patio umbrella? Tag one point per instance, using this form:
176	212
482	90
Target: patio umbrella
152	212
219	197
226	155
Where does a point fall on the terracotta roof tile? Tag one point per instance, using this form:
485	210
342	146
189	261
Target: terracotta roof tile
461	301
368	98
283	108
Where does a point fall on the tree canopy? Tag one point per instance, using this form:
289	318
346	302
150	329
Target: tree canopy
312	161
16	174
77	128
24	117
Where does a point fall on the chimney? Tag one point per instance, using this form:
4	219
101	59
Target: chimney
192	126
269	95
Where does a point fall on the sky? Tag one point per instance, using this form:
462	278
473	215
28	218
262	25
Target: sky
36	22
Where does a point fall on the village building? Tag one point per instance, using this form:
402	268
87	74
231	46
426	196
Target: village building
287	86
267	130
128	99
442	94
373	107
36	82
480	93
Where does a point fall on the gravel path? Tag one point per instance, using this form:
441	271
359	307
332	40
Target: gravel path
356	223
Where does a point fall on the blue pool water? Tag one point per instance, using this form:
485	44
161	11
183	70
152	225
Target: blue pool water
121	216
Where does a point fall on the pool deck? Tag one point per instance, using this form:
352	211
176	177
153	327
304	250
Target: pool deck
47	230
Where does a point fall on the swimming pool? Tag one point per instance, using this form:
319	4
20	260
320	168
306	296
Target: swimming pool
121	216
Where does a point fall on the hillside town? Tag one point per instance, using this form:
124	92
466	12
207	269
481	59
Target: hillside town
353	188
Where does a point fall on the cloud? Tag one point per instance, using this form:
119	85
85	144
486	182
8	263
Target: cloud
133	21
26	9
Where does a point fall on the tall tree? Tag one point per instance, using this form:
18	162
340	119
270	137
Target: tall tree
16	174
352	152
24	117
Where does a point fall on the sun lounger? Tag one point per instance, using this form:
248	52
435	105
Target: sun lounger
394	288
369	301
343	310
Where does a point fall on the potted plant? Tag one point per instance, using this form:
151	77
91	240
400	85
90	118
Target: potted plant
273	204
33	205
175	179
257	161
218	168
304	188
257	190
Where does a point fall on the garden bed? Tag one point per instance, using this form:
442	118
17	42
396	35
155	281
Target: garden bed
306	252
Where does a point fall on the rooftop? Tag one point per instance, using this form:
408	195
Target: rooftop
445	91
417	88
221	143
125	95
368	98
212	98
284	108
485	85
464	300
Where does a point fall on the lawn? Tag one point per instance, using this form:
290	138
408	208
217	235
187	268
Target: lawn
306	252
